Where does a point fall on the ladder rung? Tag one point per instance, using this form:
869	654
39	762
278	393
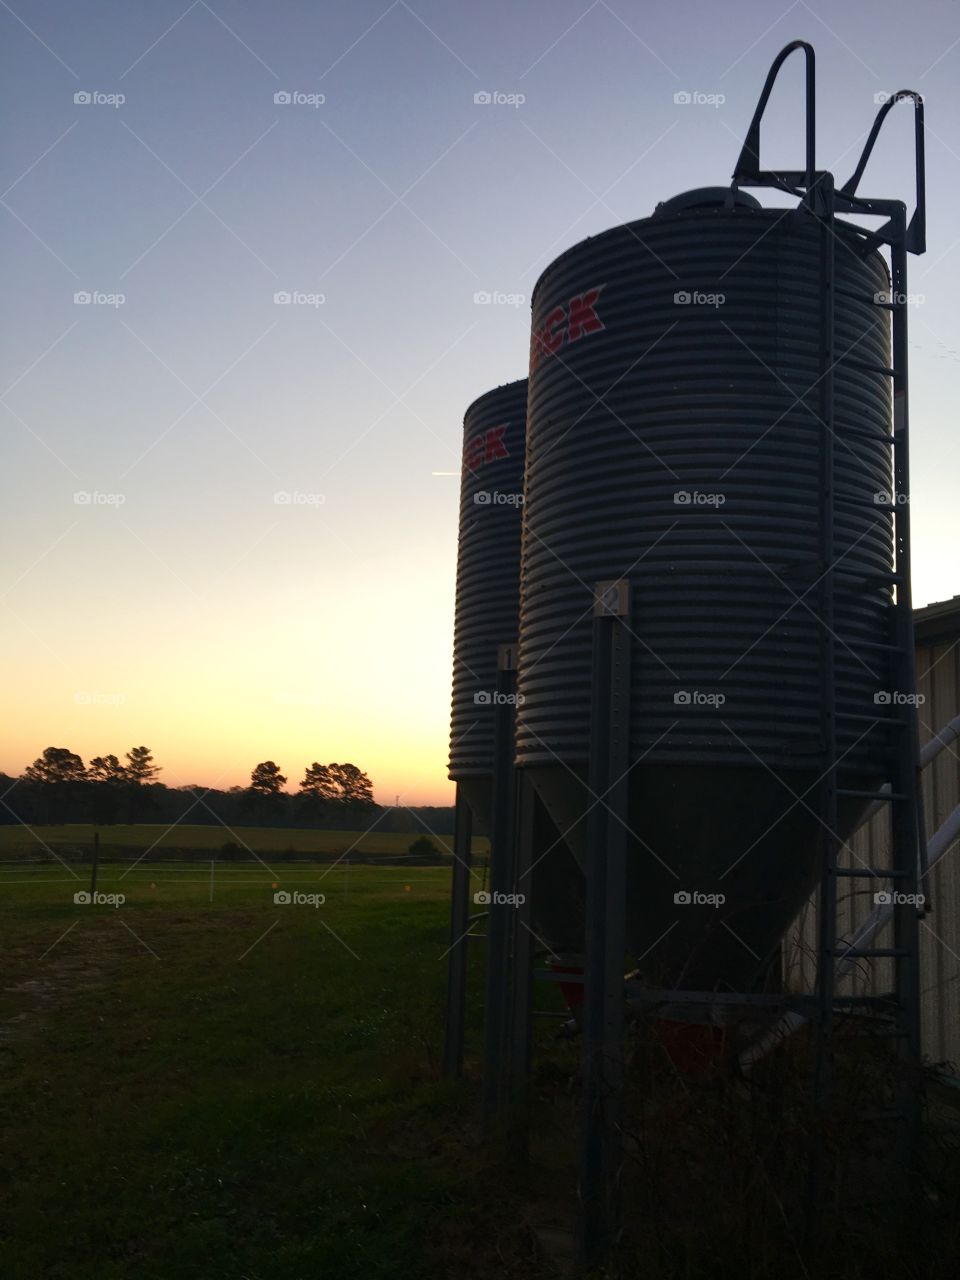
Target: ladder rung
883	437
855	295
868	1117
884	646
891	577
870	795
870	953
856	715
878	1202
863	504
870	367
851	1002
876	873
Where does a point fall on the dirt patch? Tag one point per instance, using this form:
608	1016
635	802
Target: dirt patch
85	957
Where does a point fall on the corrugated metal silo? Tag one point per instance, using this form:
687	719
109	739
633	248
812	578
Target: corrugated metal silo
487	616
673	439
488	580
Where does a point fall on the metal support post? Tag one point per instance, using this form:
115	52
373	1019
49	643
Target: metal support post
521	1011
459	927
604	1006
501	878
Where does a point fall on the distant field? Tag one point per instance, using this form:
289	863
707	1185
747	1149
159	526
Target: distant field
77	839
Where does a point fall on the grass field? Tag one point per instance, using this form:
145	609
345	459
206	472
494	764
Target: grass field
22	842
203	1083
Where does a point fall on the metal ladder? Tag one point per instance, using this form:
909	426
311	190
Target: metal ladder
816	191
903	797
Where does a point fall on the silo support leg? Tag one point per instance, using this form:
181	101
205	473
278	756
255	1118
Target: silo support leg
459	924
603	1025
521	1011
495	1027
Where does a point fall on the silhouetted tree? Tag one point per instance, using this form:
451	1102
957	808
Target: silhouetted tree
107	777
354	788
317	781
267	779
318	792
265	793
59	774
7	813
58	788
140	771
140	767
107	769
57	764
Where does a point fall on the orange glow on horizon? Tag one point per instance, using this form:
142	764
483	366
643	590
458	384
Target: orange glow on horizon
324	671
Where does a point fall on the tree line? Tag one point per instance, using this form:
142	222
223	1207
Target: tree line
58	787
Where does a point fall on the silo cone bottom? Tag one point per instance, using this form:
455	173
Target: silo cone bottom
478	793
555	880
720	860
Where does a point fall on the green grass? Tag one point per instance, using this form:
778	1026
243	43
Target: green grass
230	1088
201	1082
18	841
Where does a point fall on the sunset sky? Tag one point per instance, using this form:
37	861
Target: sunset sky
182	606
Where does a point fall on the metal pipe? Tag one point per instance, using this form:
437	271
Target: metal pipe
949	733
928	753
881	915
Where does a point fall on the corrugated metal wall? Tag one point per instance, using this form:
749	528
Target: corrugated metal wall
938	676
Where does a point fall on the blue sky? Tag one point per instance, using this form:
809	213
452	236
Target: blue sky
228	627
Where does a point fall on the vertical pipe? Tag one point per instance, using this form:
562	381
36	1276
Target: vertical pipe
459	924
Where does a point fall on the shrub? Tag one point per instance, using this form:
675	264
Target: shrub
423	847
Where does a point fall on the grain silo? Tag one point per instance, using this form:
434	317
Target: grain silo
716	673
672	441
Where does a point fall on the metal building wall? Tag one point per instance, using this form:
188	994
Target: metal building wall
938	676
